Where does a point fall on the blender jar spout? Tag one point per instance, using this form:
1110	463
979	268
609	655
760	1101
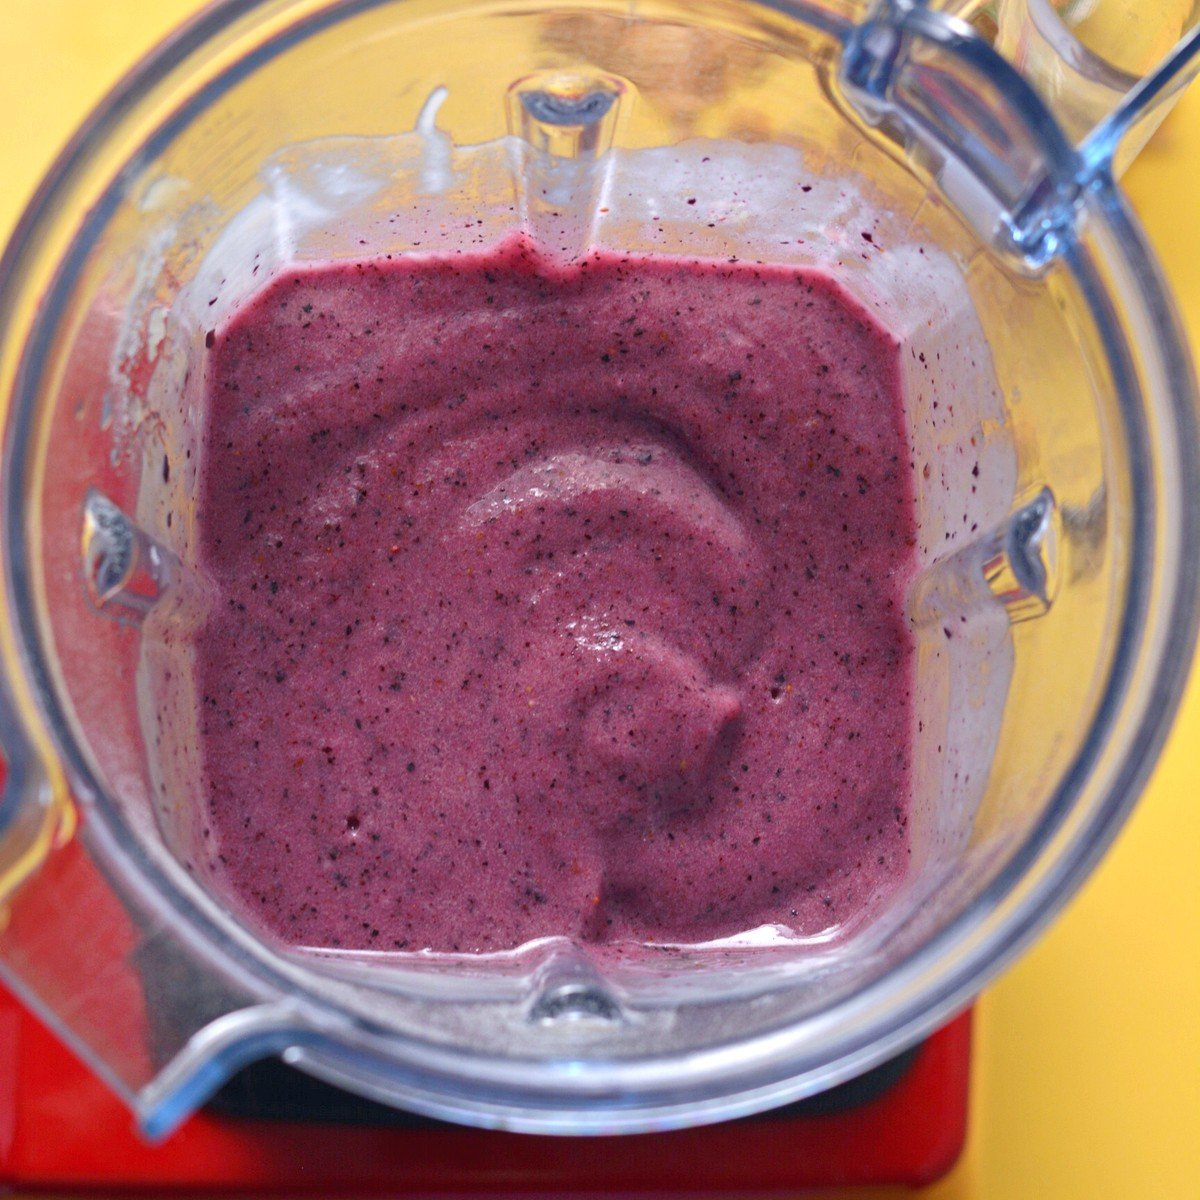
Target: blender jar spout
211	1057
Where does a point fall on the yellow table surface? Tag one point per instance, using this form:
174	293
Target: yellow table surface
1087	1069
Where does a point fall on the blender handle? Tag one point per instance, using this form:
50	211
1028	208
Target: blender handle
1013	149
1098	65
1116	141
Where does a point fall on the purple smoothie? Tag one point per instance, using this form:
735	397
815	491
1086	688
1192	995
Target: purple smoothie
554	600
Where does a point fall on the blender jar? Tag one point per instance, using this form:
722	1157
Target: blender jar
1050	399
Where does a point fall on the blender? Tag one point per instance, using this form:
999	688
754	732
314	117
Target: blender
276	126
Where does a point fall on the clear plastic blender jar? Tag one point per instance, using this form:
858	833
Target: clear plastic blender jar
293	131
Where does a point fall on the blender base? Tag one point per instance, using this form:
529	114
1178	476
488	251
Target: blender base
272	1130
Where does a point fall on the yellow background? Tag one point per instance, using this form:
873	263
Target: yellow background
1087	1072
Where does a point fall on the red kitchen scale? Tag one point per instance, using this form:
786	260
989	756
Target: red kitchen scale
275	1130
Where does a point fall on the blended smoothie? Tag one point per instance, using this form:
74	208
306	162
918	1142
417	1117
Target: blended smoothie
554	600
